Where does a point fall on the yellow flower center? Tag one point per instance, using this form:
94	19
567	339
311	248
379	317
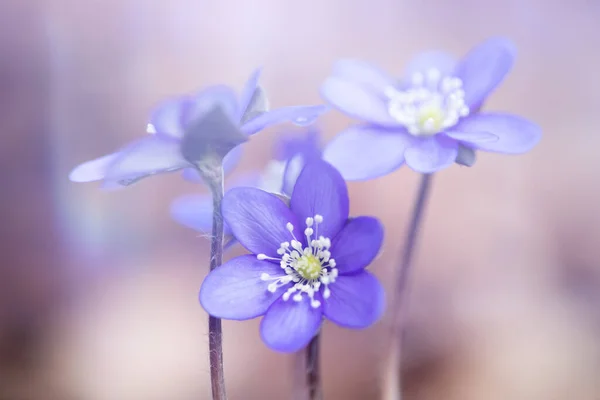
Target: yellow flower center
309	267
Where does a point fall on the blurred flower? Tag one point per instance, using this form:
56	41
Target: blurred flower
184	129
430	119
278	177
308	263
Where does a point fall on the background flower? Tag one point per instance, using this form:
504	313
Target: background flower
308	261
430	119
292	152
182	129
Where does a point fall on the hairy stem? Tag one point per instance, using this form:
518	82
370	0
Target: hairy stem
213	176
398	307
308	372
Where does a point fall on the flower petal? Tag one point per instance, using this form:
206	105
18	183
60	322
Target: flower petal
473	137
148	156
431	154
363	74
230	161
357	244
483	68
432	59
320	189
93	170
299	115
289	326
258	220
352	99
515	134
367	152
206	100
196	212
166	119
248	92
357	301
236	291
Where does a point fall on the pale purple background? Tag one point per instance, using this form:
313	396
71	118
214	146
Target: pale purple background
98	291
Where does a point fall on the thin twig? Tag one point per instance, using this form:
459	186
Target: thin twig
398	306
308	372
213	176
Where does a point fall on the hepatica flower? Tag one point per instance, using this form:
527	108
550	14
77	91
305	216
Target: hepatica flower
308	261
184	129
278	177
429	119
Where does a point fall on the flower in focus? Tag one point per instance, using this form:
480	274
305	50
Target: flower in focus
278	177
187	128
430	119
308	261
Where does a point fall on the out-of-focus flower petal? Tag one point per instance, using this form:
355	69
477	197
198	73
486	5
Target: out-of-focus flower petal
166	119
432	59
94	170
484	68
367	152
473	137
299	115
356	101
248	93
196	212
466	156
515	134
364	74
431	154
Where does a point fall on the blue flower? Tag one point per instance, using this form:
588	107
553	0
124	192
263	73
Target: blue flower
308	261
278	177
430	119
183	128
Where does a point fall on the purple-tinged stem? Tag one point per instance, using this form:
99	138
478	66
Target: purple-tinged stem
213	177
398	305
308	372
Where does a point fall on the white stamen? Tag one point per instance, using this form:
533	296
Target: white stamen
262	256
318	218
432	103
289	226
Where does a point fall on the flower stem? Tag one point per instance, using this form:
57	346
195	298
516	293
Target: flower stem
308	378
212	173
398	305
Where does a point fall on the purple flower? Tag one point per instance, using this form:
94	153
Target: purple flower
184	129
308	261
430	119
278	177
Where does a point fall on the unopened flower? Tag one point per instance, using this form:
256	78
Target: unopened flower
186	129
308	261
278	177
430	119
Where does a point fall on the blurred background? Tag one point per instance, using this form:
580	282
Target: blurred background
98	290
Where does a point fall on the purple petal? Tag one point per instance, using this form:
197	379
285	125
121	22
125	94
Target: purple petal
321	190
207	99
483	68
236	291
357	245
258	220
473	137
248	92
299	115
367	152
166	119
356	301
363	74
433	59
516	135
356	101
148	156
93	170
293	168
195	211
431	154
289	326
